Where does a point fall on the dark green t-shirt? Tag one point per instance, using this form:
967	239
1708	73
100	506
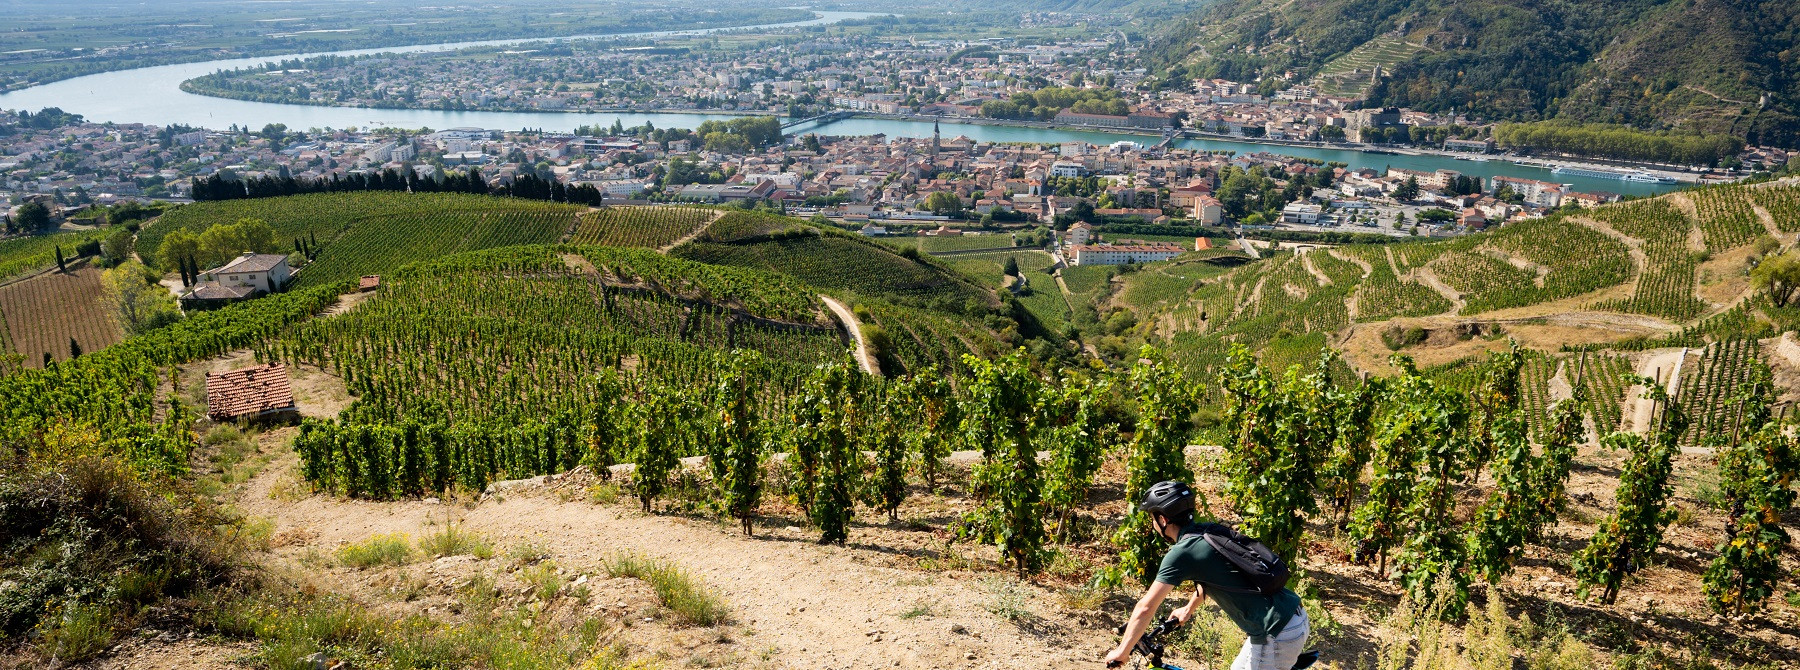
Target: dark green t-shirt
1192	559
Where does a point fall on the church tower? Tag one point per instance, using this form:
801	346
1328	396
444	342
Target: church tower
935	137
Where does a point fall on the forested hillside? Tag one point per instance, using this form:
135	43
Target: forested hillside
1695	66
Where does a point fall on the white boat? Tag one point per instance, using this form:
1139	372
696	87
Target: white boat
1647	178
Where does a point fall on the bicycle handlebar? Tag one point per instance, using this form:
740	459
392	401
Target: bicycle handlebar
1150	643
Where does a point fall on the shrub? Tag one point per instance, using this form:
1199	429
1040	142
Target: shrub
84	542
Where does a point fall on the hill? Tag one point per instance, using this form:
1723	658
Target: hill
372	232
1694	66
564	455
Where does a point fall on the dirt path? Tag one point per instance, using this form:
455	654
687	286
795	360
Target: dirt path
1393	266
848	318
1306	261
1663	364
691	234
1429	278
1769	225
799	604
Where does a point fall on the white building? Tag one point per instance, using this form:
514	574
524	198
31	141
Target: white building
1120	254
1067	169
1301	212
258	272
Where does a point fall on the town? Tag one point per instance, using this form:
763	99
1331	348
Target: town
884	185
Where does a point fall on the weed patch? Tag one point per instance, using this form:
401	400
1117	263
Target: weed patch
677	590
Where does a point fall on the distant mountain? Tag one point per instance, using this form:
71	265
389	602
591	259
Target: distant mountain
1709	66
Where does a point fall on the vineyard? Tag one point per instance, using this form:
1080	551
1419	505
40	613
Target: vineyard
491	353
1381	295
1712	388
839	262
652	227
23	255
43	314
1665	287
1782	203
376	232
1726	217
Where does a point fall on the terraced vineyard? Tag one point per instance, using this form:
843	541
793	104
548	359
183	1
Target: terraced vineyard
1726	217
1382	296
1351	74
952	242
510	340
1782	203
23	255
923	338
652	227
1601	378
1665	288
1710	387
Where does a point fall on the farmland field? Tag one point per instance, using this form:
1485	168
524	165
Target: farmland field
44	312
836	261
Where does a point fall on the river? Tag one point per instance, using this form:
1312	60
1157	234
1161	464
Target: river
153	95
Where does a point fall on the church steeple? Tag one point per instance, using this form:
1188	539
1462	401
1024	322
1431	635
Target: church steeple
935	137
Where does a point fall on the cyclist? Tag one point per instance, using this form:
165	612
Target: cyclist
1276	626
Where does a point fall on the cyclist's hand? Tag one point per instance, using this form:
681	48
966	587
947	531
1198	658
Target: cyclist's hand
1183	613
1118	657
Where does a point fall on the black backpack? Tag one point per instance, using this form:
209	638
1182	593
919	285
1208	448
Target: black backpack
1266	572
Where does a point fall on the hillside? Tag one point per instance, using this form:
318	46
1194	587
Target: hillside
1699	66
569	455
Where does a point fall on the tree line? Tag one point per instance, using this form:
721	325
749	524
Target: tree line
226	186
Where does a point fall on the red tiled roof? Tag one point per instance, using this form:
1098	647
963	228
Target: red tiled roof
368	282
249	391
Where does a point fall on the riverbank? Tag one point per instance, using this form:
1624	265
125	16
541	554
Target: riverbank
1474	162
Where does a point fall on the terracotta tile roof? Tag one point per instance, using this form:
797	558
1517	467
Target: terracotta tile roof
368	282
249	391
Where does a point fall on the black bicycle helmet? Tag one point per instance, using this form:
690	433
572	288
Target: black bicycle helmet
1171	499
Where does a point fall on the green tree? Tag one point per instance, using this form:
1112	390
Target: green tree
1779	275
1630	534
1166	402
140	305
1408	190
33	216
942	203
178	247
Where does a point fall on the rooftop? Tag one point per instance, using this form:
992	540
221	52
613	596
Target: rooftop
250	391
252	263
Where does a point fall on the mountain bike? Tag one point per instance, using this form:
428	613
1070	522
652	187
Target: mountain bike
1150	646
